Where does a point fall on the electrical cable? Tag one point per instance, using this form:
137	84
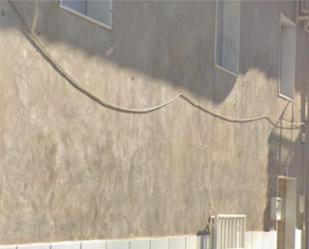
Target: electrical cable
45	53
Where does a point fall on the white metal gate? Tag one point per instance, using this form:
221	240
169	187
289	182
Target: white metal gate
229	231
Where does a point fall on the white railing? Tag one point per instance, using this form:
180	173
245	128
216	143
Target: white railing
229	231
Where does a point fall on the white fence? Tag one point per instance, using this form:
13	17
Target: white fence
253	240
177	242
229	231
261	240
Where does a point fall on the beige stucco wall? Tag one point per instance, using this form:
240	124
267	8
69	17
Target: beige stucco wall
72	169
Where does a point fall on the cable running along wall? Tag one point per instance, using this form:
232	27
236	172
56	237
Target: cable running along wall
45	53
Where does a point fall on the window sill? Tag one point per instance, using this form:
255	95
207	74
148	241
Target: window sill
285	97
87	18
226	70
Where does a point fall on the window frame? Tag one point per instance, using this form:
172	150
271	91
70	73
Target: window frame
216	41
88	18
284	20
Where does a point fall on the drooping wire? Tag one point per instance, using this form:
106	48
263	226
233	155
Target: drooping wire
45	53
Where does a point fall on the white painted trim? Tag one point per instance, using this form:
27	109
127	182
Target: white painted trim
291	178
87	18
287	21
281	95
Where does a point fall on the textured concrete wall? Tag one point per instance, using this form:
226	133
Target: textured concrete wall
72	169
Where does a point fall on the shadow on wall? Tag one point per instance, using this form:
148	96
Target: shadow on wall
162	40
287	153
285	158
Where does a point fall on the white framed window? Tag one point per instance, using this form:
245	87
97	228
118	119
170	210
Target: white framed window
98	11
227	35
287	57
